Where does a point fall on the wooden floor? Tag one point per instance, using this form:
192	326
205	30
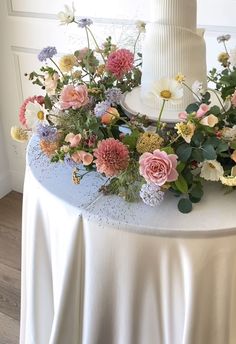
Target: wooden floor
10	259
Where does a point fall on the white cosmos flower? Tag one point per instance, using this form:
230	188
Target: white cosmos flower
211	170
168	89
35	114
67	16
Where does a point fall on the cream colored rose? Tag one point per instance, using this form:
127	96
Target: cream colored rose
210	121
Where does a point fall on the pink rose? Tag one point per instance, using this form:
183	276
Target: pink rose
73	96
202	110
158	167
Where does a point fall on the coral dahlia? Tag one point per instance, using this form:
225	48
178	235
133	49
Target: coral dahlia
112	157
120	62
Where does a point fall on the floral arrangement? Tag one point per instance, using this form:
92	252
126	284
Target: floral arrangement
80	120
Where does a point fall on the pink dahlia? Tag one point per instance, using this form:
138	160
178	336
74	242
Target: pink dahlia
158	167
120	62
112	157
38	99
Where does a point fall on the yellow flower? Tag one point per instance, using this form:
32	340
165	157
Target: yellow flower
76	75
180	77
148	142
100	69
18	134
229	181
186	130
67	62
224	59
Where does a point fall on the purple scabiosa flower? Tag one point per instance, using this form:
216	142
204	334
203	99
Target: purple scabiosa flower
151	194
101	108
46	132
223	38
113	95
47	53
84	22
69	162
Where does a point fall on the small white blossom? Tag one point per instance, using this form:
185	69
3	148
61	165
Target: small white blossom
211	170
151	194
141	26
67	16
229	134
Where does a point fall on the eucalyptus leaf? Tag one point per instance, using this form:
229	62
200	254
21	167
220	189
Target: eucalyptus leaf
185	206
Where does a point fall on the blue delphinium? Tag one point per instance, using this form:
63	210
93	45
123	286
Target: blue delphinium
101	108
84	22
113	95
46	132
47	53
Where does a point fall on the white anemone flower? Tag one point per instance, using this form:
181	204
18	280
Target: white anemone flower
168	90
67	16
35	114
211	170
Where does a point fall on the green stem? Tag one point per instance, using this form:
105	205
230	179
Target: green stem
217	96
56	66
135	43
192	91
95	41
87	62
160	114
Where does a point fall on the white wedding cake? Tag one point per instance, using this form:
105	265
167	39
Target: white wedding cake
172	45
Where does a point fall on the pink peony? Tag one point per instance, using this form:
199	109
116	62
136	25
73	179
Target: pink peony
112	157
158	167
202	110
120	62
38	99
73	96
81	156
233	99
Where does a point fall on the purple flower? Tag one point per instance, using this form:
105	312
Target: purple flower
223	38
47	53
113	95
69	162
84	22
101	108
151	194
46	132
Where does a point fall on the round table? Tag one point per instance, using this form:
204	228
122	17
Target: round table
98	270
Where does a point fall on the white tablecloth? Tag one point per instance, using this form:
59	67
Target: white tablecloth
97	270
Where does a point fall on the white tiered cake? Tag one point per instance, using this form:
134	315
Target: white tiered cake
172	45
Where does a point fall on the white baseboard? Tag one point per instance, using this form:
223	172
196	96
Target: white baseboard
5	185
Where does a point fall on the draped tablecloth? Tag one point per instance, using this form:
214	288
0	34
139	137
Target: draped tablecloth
98	270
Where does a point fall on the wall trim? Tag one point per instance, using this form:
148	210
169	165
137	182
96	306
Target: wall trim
5	185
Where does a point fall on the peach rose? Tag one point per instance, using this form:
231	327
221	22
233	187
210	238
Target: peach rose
73	96
158	167
82	157
73	139
110	115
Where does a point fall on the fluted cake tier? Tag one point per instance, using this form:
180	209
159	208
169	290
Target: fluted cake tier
167	51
